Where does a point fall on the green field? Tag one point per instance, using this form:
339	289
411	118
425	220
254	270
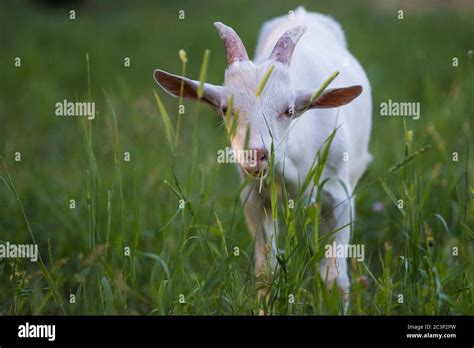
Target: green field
182	261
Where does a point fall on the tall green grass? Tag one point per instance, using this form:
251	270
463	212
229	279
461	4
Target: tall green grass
179	212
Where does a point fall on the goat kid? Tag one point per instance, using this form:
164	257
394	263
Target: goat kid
285	114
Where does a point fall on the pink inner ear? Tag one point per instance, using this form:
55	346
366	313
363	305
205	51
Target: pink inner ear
338	97
172	84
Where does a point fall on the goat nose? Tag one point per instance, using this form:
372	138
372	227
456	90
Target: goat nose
257	160
262	155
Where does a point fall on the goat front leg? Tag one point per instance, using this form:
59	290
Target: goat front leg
262	227
337	214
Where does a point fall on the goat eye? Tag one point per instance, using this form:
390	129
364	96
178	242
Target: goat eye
289	112
224	110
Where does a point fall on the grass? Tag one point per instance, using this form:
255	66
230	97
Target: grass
164	233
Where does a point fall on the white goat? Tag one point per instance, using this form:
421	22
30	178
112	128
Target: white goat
283	114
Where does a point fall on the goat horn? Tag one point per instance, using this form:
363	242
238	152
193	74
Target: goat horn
234	46
285	45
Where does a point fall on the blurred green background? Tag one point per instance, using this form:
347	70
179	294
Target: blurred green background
406	60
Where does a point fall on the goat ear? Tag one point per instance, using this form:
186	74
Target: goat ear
211	94
332	98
